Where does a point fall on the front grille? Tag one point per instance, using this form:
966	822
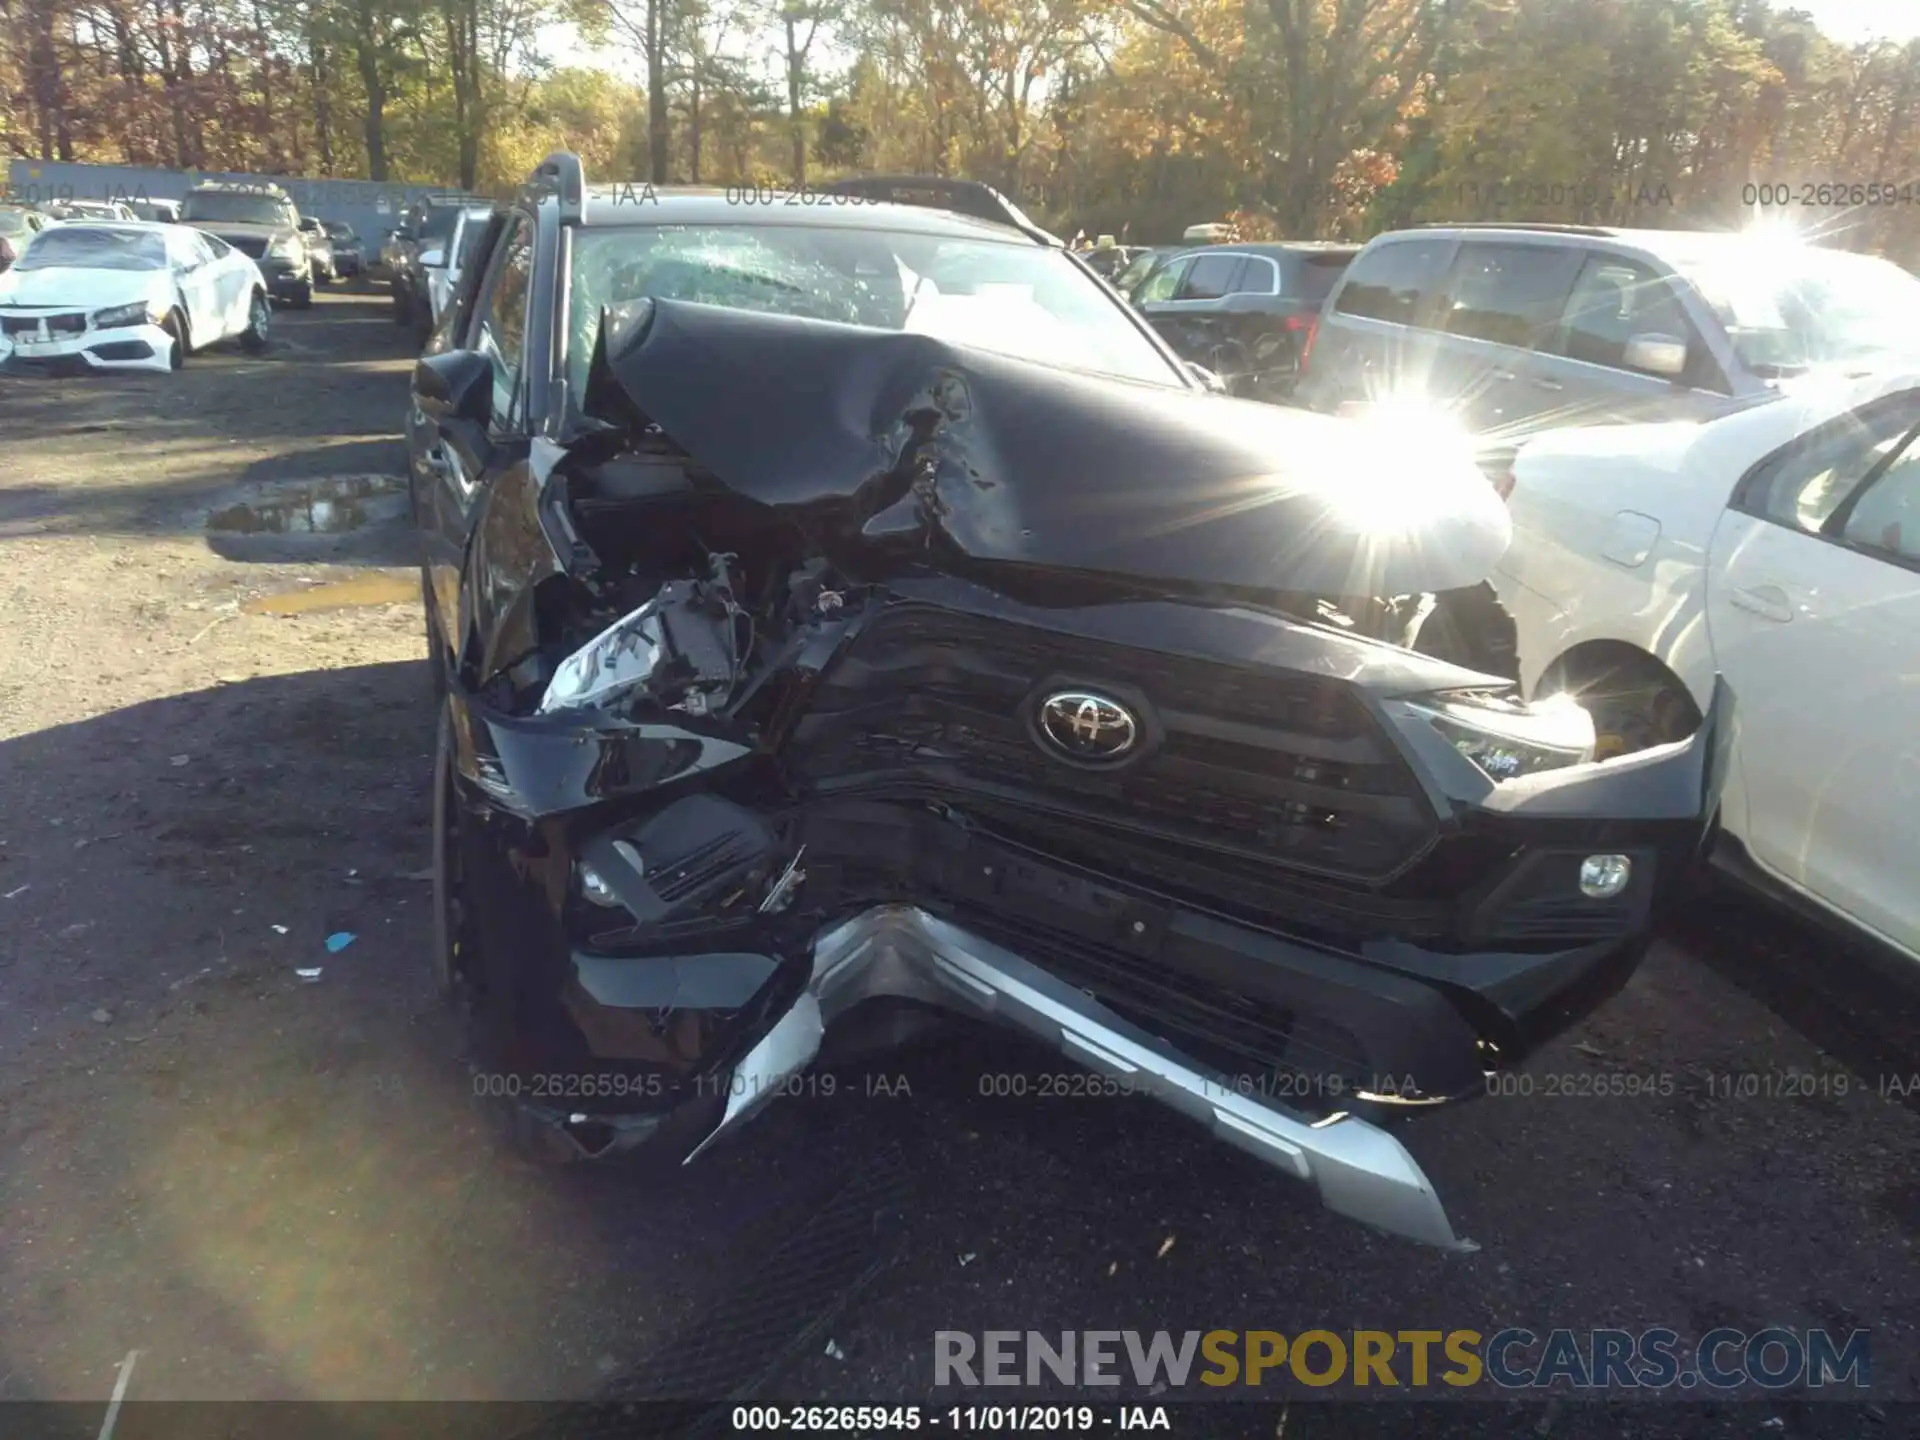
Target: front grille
250	246
1273	767
65	323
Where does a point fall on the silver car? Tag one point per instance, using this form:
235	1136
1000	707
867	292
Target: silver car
1517	328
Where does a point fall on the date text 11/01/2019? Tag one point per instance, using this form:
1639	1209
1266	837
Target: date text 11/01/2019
1553	194
880	1419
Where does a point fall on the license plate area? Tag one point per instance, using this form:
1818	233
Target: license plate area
1014	886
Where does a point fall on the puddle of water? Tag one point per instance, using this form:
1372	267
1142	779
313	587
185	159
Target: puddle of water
373	588
328	506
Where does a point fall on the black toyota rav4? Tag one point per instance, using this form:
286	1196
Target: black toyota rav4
850	611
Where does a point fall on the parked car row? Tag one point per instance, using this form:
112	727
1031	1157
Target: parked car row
127	295
90	285
331	249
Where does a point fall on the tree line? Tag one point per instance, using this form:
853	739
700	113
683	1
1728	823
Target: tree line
1321	118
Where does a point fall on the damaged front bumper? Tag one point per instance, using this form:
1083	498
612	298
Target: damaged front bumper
1293	1047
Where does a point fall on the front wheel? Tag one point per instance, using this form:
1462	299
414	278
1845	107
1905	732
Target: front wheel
402	307
176	327
253	339
449	899
303	297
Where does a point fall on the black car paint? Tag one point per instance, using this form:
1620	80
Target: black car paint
980	491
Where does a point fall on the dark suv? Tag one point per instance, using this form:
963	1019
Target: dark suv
842	614
425	227
1246	312
259	221
1515	328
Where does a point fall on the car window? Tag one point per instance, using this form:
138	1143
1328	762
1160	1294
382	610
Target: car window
1009	296
189	248
1509	294
1313	275
1163	282
1805	484
1393	282
216	247
501	318
94	247
1210	277
1614	300
1885	516
1260	276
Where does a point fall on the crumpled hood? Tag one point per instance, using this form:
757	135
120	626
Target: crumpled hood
80	288
894	436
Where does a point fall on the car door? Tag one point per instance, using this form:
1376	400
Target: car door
453	467
1585	368
1161	284
1501	299
1814	614
197	275
1374	341
233	282
1190	319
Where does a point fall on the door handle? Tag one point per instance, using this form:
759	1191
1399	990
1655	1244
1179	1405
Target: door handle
1767	601
1549	384
1503	375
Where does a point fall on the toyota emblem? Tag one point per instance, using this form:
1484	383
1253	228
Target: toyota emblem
1087	727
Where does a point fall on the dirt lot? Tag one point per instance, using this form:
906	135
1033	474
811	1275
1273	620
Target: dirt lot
213	755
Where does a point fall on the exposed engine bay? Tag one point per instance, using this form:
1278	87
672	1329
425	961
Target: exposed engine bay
817	665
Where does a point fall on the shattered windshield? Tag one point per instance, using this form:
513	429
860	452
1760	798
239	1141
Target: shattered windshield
1019	299
1789	308
87	247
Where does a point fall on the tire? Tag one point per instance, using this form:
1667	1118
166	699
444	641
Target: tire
303	297
402	306
509	1126
253	339
176	326
436	651
448	900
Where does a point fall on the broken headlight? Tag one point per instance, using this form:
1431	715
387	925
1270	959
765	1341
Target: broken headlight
143	312
683	649
1508	738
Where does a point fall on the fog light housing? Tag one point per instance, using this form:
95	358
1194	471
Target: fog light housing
597	891
1604	876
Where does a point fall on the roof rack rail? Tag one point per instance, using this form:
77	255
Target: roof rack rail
562	174
963	197
1543	225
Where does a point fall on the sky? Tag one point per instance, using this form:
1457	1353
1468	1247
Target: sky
1851	20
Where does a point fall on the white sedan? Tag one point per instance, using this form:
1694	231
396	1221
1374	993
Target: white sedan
127	295
1779	547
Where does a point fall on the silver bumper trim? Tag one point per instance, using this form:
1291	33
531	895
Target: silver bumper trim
897	950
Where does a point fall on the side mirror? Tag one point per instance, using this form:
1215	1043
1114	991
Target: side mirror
1206	377
455	385
1657	355
433	259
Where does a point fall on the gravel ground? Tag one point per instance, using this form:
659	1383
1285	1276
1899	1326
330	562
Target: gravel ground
213	754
